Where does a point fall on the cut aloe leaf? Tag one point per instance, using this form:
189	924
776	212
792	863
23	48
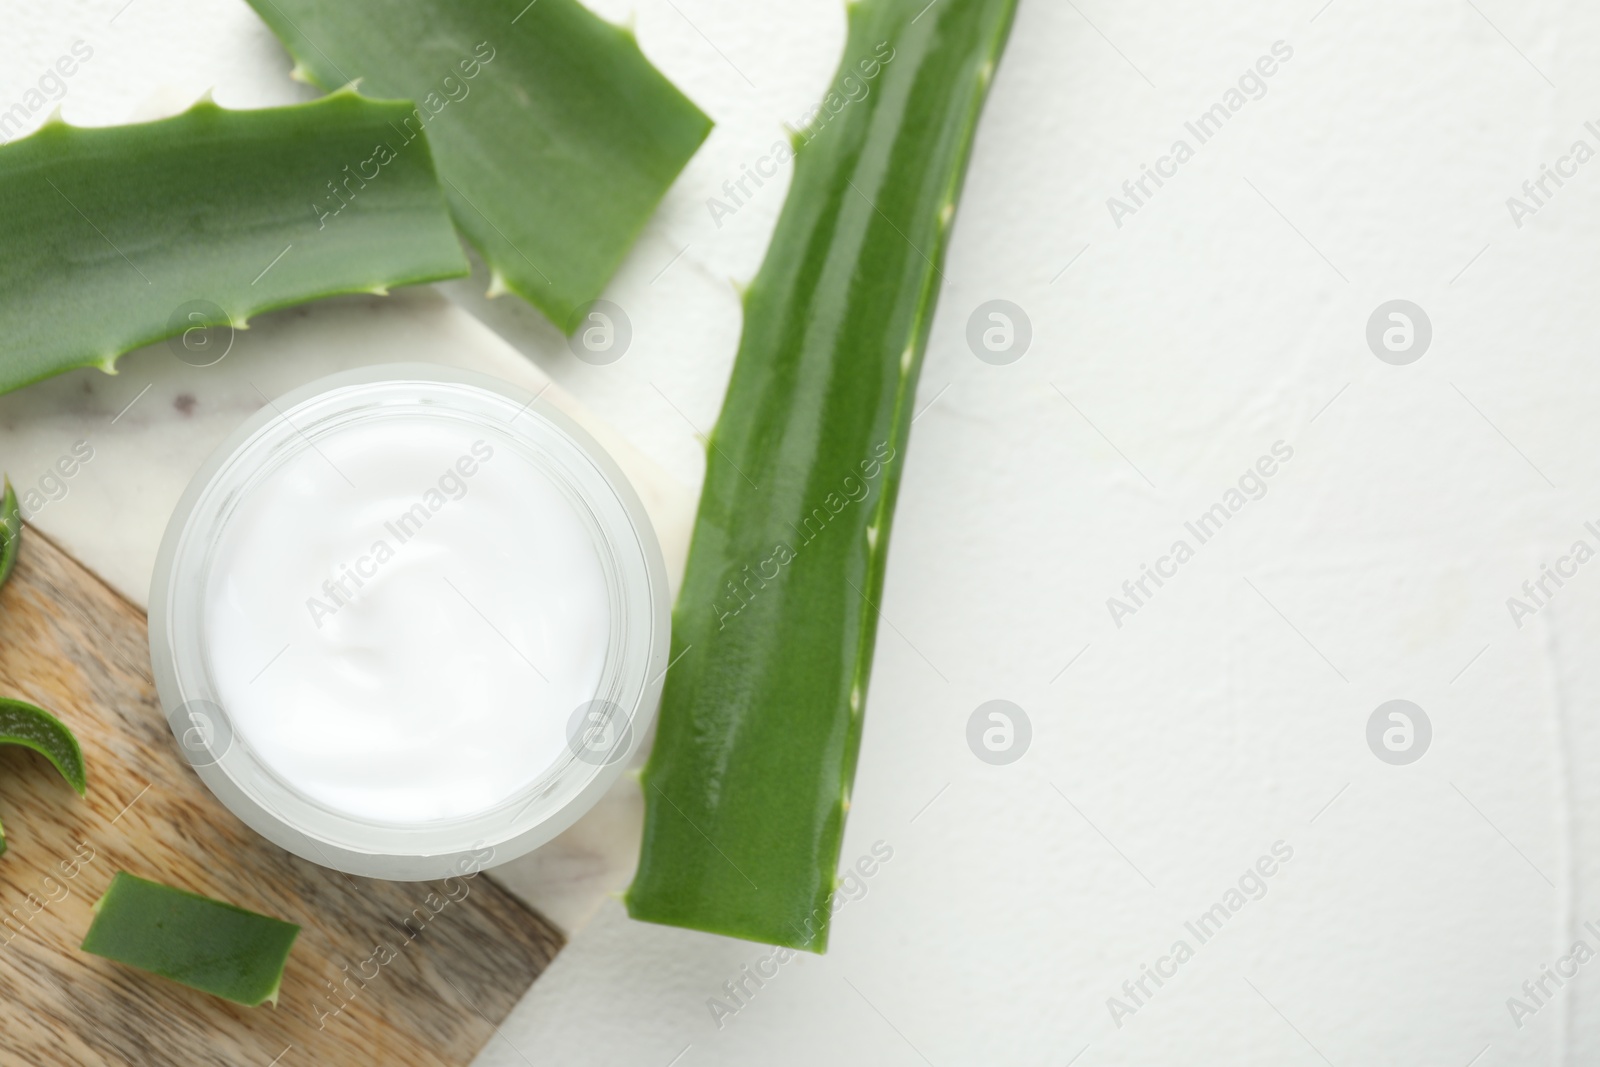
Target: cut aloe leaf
747	787
23	724
32	727
118	237
556	138
205	944
10	530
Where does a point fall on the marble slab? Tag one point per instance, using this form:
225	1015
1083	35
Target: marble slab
132	441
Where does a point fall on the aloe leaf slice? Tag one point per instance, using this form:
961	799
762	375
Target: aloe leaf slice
10	530
555	136
117	237
205	944
749	780
32	727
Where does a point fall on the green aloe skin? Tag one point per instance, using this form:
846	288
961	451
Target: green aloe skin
22	723
31	727
205	944
556	138
748	784
118	237
10	529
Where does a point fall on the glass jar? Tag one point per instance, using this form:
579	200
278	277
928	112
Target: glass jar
601	732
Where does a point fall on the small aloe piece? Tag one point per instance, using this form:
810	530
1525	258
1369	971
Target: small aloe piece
205	944
747	787
117	237
10	530
31	727
555	136
23	724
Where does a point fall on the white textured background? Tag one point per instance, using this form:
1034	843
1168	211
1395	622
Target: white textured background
1228	314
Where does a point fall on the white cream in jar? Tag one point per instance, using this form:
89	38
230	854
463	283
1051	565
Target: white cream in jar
407	615
415	650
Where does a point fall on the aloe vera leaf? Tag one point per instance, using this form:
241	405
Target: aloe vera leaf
205	944
10	530
555	136
117	237
747	787
31	727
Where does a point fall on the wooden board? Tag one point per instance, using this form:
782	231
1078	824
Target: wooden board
70	644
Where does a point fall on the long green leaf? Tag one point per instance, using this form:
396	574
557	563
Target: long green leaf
747	787
556	138
118	237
